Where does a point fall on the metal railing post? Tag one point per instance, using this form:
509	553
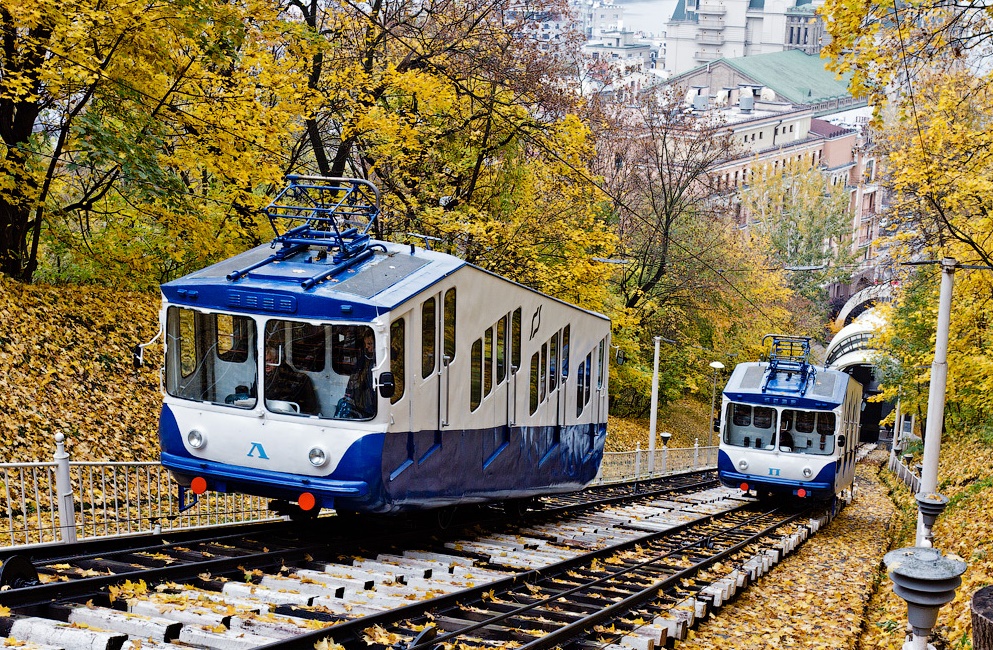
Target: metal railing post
696	453
63	489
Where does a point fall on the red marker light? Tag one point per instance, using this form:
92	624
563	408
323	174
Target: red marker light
198	485
744	487
801	493
306	501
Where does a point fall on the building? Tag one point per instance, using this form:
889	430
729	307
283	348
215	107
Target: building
703	31
786	108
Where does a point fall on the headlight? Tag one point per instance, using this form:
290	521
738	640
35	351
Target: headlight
807	472
196	439
743	464
317	457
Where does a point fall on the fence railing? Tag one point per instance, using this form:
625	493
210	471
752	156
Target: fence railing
619	466
65	501
906	474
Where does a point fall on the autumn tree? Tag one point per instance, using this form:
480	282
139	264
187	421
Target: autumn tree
136	137
684	271
804	222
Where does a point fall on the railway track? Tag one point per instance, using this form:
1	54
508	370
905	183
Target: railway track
628	566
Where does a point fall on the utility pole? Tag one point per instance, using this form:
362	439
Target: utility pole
936	392
655	407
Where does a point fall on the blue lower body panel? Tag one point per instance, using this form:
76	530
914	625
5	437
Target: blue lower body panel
397	472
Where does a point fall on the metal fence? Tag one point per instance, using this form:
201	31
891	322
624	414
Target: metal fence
64	501
908	475
619	466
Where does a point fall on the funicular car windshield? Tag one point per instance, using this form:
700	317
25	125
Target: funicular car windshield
789	430
306	369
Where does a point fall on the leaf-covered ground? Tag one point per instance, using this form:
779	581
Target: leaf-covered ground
686	420
816	598
964	529
65	365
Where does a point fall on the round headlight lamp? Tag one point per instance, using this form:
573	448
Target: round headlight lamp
743	464
196	438
317	457
807	472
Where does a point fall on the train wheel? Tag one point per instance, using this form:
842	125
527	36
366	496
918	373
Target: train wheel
516	508
445	516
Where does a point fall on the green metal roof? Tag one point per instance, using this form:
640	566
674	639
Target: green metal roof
796	77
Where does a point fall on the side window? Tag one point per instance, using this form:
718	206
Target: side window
565	353
488	361
398	353
232	338
501	349
428	337
588	378
476	375
580	385
535	373
450	323
602	365
515	338
542	376
553	362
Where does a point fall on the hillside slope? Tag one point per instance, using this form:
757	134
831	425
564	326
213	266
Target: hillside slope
65	365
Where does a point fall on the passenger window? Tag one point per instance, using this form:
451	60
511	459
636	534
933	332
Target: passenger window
428	337
805	421
476	375
602	365
535	372
233	337
553	348
450	323
398	353
565	353
488	361
308	347
544	373
580	386
742	415
501	349
187	341
588	378
825	424
515	339
763	417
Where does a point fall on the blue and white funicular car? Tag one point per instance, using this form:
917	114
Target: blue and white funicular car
330	369
788	428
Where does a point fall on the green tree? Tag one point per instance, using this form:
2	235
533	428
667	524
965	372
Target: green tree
804	223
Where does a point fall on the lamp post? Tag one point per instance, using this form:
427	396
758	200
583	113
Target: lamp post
716	365
655	406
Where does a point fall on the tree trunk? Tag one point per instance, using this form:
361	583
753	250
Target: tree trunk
982	619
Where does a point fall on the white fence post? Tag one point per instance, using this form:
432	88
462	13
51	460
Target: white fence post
637	461
63	488
696	453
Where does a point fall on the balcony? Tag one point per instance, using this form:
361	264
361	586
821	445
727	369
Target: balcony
711	10
710	23
710	38
706	57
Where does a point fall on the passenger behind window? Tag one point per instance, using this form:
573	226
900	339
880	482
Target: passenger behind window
284	384
359	402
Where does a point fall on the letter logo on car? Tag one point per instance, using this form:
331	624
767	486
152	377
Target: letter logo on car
773	471
257	446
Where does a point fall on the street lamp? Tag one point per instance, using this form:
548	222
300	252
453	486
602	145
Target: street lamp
716	365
